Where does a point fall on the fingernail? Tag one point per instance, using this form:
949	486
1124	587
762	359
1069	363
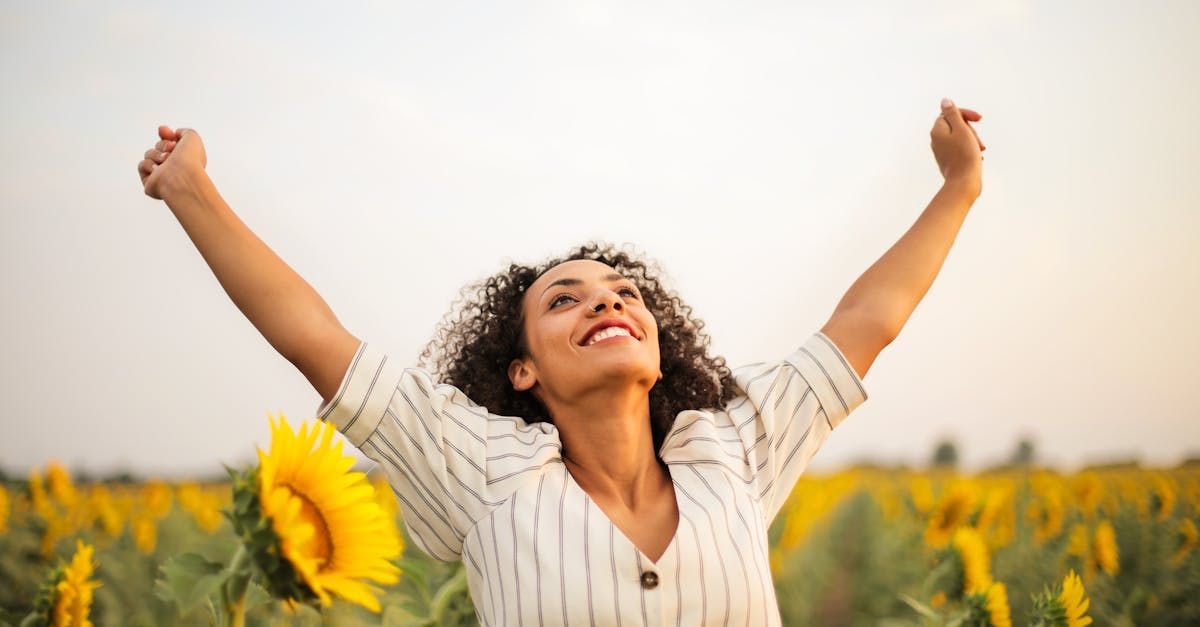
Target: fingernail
946	102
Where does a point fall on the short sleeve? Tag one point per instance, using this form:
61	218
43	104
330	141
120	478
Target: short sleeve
768	433
788	409
448	460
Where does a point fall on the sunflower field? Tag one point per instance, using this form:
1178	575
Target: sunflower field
865	546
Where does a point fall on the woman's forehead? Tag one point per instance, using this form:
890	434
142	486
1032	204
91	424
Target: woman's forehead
575	269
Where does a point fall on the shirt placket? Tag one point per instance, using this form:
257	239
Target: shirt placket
652	580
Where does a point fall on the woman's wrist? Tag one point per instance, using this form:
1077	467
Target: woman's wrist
186	190
969	185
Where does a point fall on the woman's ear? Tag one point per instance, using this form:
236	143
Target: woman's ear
521	375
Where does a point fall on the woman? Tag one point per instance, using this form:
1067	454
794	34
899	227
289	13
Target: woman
579	449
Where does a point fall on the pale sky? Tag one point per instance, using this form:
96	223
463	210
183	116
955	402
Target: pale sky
765	153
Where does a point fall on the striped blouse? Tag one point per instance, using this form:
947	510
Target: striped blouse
493	491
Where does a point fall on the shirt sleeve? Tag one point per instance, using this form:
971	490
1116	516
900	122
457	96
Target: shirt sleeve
788	409
448	460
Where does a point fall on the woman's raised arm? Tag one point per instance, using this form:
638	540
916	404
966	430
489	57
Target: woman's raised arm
288	312
875	308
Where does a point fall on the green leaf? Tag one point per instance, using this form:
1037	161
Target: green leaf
414	567
394	616
188	580
920	607
256	595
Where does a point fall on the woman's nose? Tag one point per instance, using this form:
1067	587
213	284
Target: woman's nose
607	298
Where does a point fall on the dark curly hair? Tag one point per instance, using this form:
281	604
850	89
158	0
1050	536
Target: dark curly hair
475	342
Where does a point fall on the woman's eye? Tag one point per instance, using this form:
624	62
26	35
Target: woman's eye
558	298
630	290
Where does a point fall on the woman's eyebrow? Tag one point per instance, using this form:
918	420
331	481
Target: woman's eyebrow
570	281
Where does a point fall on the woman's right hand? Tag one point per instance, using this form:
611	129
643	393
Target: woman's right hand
179	154
957	147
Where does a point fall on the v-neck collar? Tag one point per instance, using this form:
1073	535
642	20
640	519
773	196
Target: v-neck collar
570	479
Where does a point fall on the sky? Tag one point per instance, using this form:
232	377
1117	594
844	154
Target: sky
765	154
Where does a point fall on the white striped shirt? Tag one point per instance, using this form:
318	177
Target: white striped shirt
493	491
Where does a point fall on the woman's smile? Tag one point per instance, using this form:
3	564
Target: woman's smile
609	340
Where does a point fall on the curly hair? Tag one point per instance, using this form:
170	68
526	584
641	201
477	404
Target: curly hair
475	342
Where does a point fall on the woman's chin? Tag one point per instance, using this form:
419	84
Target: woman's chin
624	368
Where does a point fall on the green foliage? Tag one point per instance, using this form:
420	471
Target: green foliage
188	580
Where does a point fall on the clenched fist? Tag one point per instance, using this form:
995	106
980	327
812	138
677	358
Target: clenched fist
178	155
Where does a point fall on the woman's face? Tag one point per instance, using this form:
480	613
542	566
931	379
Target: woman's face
561	308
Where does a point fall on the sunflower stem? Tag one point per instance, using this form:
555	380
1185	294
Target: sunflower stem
233	591
441	600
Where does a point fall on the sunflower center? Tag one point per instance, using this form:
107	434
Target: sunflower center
320	545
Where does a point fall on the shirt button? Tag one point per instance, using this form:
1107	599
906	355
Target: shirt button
649	579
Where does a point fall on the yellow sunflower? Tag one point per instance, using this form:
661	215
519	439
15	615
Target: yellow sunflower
329	526
4	507
997	605
1163	497
1187	541
952	511
67	601
1104	548
976	567
1077	541
1088	490
921	492
61	487
1074	601
1047	512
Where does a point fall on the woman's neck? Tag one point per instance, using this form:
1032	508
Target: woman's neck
608	445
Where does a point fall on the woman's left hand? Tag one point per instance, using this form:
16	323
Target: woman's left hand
957	147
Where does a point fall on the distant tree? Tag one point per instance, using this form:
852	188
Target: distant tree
1024	454
946	454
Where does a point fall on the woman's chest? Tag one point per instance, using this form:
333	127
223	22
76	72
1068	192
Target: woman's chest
551	552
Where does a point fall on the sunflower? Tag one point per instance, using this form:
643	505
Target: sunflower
1088	490
1104	548
997	517
324	520
144	529
987	608
1074	601
956	505
73	602
1163	498
61	487
65	599
977	575
1047	513
155	498
921	492
102	510
1077	541
997	605
1187	541
4	507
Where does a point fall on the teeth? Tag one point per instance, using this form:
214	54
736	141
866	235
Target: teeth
608	332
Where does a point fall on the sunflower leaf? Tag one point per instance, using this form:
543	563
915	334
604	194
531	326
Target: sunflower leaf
188	580
256	595
920	608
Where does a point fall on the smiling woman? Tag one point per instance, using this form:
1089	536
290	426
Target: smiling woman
568	420
569	412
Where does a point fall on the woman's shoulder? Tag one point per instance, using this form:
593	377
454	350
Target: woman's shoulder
707	435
